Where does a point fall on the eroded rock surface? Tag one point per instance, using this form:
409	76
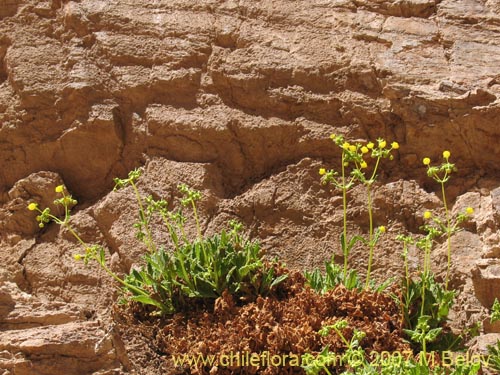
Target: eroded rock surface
238	99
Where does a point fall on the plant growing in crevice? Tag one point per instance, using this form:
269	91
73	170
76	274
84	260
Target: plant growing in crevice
448	225
353	158
203	268
426	299
495	311
93	252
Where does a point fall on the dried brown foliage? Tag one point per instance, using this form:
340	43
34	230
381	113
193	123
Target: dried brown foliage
284	323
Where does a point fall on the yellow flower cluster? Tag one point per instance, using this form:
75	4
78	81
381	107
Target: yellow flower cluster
446	155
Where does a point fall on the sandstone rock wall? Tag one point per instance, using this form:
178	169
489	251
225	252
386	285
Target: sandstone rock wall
236	98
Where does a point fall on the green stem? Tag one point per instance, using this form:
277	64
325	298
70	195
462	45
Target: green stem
407	272
371	243
149	239
370	217
424	351
448	233
344	208
198	228
171	232
407	292
85	246
375	169
341	336
425	276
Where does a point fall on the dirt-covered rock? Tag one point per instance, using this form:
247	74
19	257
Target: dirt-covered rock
237	99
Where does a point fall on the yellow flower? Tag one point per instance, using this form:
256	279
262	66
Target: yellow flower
363	164
32	206
395	145
469	210
381	229
59	189
370	145
332	137
352	148
427	215
364	150
322	171
346	146
77	256
426	161
382	144
446	154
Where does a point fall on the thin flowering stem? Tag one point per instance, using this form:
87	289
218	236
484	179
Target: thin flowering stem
371	243
344	207
149	240
445	169
448	234
195	213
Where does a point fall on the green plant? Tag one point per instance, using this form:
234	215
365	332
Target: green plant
202	268
425	298
376	153
495	312
494	356
205	270
92	252
333	276
353	157
441	174
353	357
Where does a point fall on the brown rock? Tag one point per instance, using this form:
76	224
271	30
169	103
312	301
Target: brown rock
71	348
489	327
20	310
486	278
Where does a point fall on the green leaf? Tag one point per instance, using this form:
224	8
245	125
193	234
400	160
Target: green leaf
102	257
147	300
278	280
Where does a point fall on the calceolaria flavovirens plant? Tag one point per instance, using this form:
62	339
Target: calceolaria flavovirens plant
202	268
194	267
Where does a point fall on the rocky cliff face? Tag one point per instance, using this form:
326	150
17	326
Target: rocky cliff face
238	99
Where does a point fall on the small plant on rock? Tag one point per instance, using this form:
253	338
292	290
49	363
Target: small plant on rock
425	299
354	169
203	268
